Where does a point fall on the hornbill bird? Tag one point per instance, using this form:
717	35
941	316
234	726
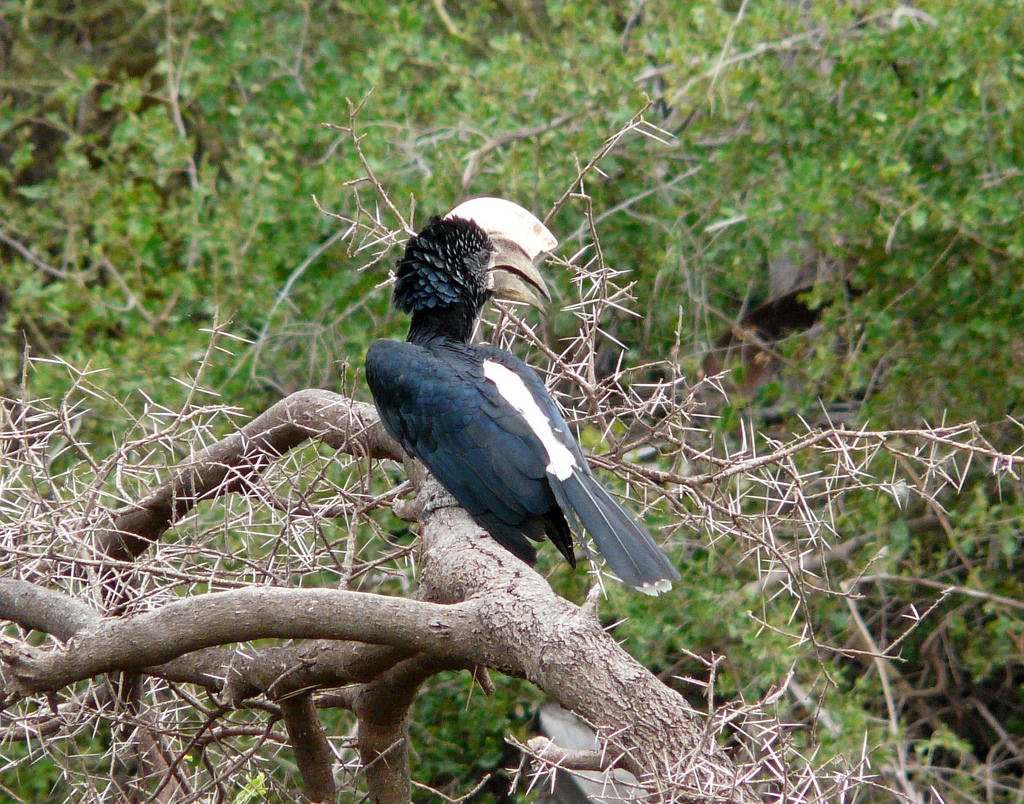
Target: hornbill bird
477	416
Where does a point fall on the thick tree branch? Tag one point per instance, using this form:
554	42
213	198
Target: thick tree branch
46	610
312	751
237	675
281	671
536	635
225	466
143	640
383	711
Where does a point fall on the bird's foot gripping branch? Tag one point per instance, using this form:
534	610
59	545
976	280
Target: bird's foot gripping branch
475	606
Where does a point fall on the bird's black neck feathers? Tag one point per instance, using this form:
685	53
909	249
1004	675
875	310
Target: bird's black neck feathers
442	279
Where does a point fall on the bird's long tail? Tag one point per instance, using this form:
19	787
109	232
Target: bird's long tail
627	547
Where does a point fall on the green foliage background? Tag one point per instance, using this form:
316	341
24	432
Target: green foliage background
158	165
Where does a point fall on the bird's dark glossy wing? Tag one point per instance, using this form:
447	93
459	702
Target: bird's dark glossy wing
442	410
625	544
535	385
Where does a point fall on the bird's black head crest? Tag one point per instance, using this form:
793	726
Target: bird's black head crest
443	273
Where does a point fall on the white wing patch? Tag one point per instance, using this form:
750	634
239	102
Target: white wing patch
513	390
656	588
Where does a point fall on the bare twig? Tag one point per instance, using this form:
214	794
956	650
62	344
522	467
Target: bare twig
527	132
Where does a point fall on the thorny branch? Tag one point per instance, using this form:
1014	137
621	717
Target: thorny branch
130	565
464	634
353	637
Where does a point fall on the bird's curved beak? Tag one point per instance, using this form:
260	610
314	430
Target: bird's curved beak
520	241
514	275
